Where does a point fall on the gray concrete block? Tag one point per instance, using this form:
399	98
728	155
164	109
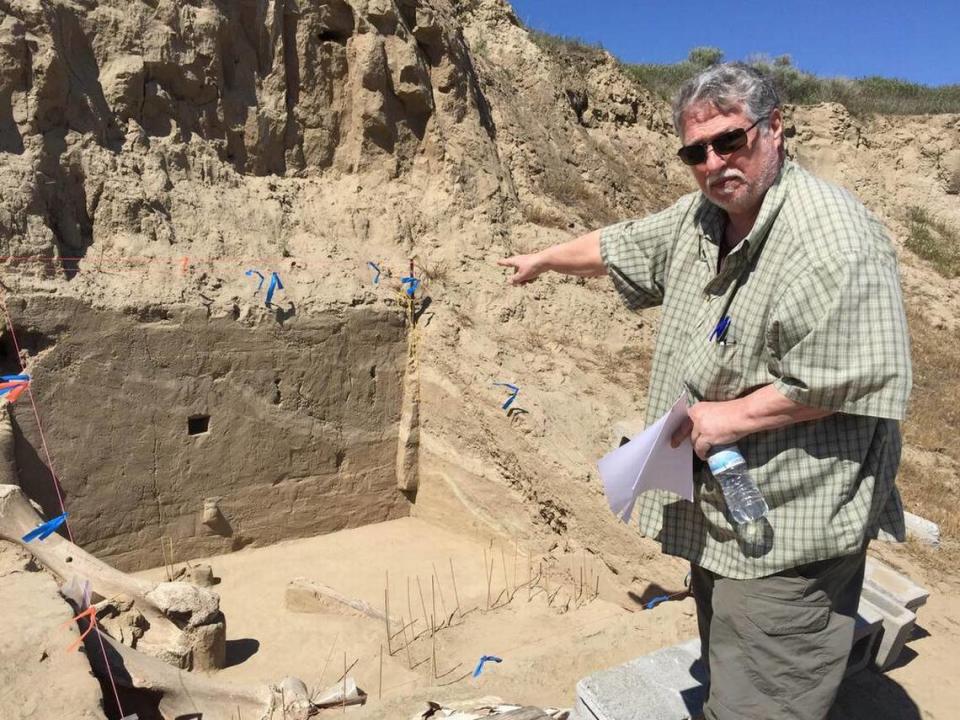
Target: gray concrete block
898	587
866	635
917	527
665	685
898	623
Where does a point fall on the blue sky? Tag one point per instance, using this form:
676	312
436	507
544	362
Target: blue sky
914	41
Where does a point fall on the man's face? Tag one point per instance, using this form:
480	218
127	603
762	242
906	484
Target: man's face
736	182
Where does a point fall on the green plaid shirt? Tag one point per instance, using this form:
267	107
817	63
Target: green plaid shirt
815	309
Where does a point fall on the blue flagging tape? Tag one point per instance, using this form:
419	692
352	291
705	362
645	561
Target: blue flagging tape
46	529
413	282
14	378
514	391
251	273
375	268
485	659
275	285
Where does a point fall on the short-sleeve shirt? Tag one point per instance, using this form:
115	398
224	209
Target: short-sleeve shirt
815	307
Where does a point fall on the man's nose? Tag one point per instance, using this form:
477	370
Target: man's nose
715	161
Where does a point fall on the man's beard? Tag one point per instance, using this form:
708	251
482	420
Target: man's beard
745	195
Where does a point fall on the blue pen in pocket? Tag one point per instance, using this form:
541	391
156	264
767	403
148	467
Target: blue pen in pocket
720	331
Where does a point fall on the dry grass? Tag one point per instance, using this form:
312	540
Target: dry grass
934	241
543	216
930	486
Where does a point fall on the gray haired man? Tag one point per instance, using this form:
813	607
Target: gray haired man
782	319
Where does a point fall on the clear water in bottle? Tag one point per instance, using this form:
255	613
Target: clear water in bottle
744	500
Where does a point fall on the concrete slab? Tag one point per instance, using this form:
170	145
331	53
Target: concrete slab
883	579
665	685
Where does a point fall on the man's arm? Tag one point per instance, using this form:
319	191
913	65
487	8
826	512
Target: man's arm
580	257
722	423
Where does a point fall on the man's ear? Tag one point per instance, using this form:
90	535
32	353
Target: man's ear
776	126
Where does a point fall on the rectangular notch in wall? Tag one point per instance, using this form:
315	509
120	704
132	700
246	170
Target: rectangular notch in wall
198	424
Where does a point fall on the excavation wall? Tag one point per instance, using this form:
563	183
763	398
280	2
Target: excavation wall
169	429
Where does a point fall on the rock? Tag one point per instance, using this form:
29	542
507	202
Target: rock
186	605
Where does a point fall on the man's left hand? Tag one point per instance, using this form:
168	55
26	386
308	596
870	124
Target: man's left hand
709	424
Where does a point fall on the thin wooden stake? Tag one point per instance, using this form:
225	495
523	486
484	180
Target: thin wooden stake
506	583
410	609
455	593
433	605
386	613
406	644
343	699
596	592
529	577
380	685
329	655
422	603
443	604
487	575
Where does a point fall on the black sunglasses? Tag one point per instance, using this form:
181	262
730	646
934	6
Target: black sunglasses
722	144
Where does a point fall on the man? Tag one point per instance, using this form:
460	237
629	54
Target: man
783	322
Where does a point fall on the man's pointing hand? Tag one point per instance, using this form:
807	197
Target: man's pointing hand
527	267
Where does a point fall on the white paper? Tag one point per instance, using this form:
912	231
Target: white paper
648	462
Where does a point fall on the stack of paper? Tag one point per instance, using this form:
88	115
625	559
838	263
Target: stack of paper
648	462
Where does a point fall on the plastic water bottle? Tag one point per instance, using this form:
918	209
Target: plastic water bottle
743	497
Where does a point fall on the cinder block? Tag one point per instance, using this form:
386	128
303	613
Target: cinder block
884	579
898	623
866	635
664	685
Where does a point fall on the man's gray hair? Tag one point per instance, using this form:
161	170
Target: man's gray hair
727	86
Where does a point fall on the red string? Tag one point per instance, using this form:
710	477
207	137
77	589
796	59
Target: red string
56	487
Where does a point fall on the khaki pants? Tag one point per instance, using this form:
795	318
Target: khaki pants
777	647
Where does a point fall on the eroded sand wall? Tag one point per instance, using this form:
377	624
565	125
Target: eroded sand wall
301	438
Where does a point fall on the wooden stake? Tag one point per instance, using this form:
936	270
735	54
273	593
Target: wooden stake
329	655
406	644
410	609
434	651
386	613
422	603
455	593
596	593
343	699
443	604
506	584
529	577
380	686
487	576
433	605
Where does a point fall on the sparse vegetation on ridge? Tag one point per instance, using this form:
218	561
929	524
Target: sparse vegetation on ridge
861	96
